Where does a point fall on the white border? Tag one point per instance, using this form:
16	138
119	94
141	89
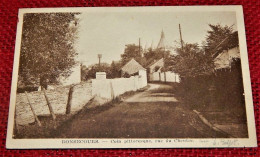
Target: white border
108	143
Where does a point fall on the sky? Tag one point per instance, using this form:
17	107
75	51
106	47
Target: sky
107	33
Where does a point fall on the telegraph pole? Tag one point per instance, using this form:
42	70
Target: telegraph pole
181	37
99	60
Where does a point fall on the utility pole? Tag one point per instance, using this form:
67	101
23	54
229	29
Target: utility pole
99	60
181	37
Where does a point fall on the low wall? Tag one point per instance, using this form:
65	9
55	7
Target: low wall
111	88
58	99
172	77
165	77
155	76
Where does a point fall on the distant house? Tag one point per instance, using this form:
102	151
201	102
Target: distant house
156	65
135	70
226	51
156	73
224	59
131	68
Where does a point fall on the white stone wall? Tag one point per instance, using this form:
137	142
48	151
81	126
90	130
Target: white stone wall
165	76
172	77
111	88
58	99
155	76
162	77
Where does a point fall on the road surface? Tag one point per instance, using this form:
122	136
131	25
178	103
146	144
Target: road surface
153	113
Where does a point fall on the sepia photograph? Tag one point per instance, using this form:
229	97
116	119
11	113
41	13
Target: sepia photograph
135	77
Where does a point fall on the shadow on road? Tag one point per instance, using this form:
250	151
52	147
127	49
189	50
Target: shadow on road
142	115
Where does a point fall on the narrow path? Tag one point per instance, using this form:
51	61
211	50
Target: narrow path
155	93
154	113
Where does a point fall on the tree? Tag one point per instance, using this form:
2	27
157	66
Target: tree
83	69
115	69
155	54
112	70
47	48
193	61
215	36
190	61
103	67
131	51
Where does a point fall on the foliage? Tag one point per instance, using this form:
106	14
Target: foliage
112	71
215	37
202	86
115	69
91	72
210	91
190	61
131	51
149	56
156	68
83	70
230	42
155	54
47	48
193	61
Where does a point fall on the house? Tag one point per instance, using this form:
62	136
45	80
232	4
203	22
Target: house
226	51
157	74
224	59
155	69
156	65
131	68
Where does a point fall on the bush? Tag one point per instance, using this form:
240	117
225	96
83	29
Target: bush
223	89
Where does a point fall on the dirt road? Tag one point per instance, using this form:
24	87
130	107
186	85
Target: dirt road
153	113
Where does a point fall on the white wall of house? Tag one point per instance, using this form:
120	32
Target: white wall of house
143	78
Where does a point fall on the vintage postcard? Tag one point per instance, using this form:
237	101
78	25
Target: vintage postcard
131	77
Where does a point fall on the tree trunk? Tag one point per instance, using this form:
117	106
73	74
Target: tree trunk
43	82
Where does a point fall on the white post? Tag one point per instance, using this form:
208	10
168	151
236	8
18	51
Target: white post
101	75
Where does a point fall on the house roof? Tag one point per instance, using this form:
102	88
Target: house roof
228	43
154	62
132	67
